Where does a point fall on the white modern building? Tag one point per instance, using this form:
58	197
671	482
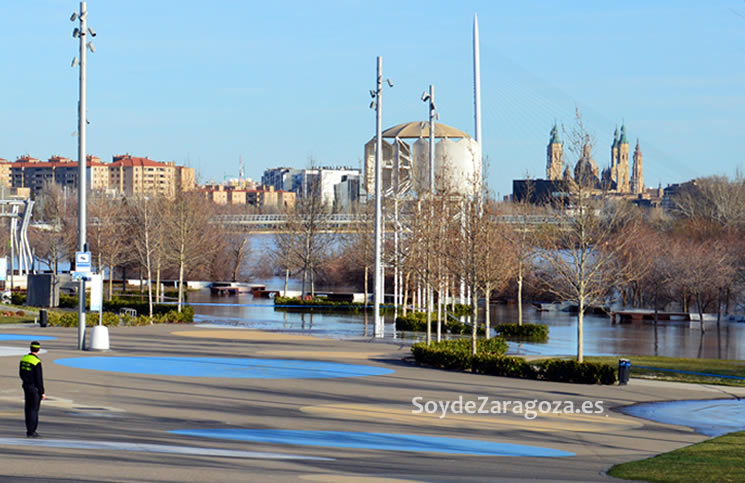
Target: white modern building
405	159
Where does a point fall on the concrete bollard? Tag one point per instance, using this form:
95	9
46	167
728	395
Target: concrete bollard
99	338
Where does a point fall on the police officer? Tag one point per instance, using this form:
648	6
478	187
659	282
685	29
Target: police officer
33	388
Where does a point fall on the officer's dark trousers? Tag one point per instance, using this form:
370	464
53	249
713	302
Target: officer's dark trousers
33	402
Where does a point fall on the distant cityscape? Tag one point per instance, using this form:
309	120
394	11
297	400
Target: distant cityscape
342	189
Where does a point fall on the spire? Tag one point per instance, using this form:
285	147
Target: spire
615	137
554	135
638	147
622	139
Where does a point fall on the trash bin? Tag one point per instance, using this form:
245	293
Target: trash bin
43	321
624	371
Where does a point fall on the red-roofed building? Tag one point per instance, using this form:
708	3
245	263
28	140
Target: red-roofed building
127	175
132	175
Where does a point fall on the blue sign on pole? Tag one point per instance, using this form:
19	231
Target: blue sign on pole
82	261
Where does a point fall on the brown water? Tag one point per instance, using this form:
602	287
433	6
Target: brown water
601	337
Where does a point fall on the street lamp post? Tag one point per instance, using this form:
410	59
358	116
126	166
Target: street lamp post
81	33
430	98
377	102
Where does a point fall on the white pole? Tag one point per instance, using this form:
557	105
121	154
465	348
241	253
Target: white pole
476	80
378	295
81	170
432	140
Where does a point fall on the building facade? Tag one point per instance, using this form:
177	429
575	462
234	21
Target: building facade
125	175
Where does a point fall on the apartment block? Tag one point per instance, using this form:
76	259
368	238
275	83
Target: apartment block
126	174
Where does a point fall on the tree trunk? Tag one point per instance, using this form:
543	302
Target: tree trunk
700	312
238	259
580	320
487	313
366	281
439	314
520	298
287	280
407	279
180	285
474	324
428	302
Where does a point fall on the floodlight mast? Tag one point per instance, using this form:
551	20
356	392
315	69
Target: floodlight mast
379	326
378	288
81	33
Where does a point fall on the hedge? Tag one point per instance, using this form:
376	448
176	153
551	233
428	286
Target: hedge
456	354
417	322
534	332
113	305
583	373
490	359
319	304
70	319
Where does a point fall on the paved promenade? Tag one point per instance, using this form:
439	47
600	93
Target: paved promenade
310	410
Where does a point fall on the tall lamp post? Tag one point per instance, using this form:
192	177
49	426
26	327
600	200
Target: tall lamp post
82	33
430	98
377	103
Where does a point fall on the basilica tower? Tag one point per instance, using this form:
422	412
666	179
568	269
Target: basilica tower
623	182
554	155
637	177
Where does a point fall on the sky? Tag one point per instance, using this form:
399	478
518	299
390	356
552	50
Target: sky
286	83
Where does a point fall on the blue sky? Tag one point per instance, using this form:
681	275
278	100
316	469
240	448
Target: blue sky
278	83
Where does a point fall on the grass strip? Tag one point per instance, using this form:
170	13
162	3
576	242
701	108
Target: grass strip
697	371
719	459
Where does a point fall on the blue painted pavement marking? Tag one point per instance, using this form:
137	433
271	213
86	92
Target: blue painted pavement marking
713	417
380	441
224	367
25	337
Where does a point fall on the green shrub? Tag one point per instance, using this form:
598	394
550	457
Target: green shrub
581	373
535	332
70	319
490	359
320	304
462	310
456	354
417	322
117	303
69	301
18	298
504	366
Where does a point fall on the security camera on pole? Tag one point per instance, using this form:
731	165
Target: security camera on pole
81	33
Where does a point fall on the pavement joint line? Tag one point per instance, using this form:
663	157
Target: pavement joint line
154	448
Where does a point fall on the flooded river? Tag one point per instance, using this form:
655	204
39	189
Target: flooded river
601	337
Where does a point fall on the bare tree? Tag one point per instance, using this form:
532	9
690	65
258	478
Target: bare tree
581	248
108	238
496	265
56	243
188	239
145	216
359	244
307	239
522	240
714	199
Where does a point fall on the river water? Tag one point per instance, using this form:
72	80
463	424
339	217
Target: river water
601	336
